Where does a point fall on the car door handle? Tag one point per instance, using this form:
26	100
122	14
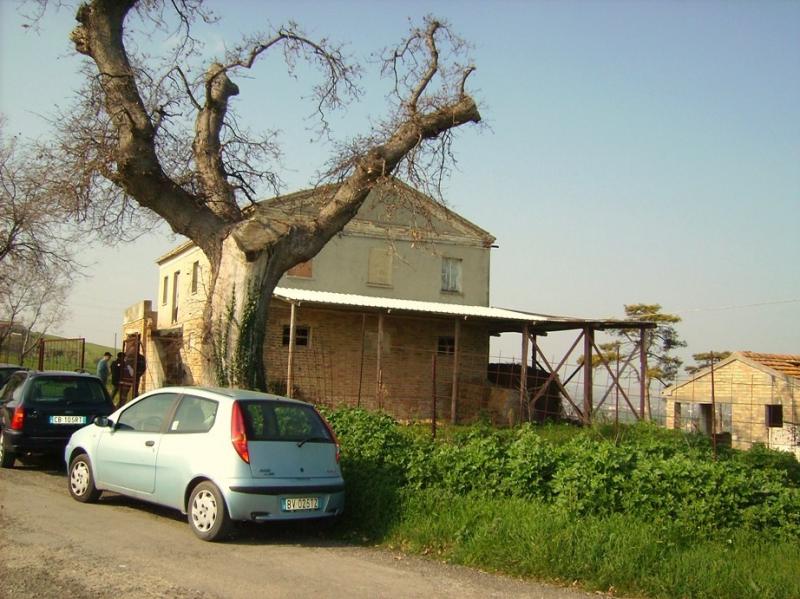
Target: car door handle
149	443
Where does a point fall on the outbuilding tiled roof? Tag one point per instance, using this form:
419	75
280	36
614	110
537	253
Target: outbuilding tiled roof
784	363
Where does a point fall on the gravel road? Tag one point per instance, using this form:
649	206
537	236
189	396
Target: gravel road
53	546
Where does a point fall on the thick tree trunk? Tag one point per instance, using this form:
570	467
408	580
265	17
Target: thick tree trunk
236	316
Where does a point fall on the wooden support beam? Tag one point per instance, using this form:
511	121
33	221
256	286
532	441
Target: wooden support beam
290	359
379	369
523	374
588	344
456	361
643	372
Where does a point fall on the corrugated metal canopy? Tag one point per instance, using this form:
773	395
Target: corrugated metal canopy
399	305
501	319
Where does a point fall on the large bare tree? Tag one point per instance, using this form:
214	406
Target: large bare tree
36	265
168	140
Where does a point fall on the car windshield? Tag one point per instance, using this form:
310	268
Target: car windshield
66	390
283	421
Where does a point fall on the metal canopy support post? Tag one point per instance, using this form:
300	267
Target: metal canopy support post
379	369
643	372
588	343
290	359
523	372
456	360
361	366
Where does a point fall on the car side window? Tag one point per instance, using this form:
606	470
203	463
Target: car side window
13	388
194	415
147	415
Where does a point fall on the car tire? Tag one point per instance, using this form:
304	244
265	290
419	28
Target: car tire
81	481
6	457
207	514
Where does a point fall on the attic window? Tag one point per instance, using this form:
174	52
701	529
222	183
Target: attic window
451	275
380	267
774	416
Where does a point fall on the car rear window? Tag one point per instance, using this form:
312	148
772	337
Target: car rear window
66	391
283	421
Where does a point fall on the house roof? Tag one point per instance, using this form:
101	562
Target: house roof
281	211
787	364
500	319
309	202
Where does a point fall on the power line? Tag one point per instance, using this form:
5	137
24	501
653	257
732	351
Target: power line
736	306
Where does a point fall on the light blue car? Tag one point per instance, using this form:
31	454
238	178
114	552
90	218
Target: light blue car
218	455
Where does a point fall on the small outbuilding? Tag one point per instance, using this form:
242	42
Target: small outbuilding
750	397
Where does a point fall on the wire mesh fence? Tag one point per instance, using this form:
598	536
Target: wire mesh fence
416	385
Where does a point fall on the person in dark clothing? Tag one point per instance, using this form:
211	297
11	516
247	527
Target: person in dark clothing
116	376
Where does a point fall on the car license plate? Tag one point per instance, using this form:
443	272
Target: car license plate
67	419
295	504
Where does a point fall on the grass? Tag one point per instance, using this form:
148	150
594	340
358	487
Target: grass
635	510
617	553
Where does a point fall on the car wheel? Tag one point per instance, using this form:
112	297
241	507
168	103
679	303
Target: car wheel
207	514
81	481
6	457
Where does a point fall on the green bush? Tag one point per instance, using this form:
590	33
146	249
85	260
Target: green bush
636	508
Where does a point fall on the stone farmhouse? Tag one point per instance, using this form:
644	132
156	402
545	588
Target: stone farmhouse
404	286
750	397
392	314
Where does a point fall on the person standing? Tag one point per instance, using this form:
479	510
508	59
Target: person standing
103	368
116	376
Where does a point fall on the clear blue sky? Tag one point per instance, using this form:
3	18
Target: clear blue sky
637	152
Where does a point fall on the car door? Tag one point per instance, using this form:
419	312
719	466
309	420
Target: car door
126	455
188	449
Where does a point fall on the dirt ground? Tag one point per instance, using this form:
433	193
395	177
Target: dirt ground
53	546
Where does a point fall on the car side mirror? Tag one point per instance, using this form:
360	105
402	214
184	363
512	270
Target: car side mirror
103	421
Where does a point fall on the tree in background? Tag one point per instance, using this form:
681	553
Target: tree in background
159	136
659	343
36	265
705	360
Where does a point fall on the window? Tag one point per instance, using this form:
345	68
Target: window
451	275
774	416
302	336
194	415
273	421
64	391
446	345
164	291
147	415
175	297
302	270
380	267
195	276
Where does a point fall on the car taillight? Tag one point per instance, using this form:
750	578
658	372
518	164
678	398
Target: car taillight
18	419
238	433
333	436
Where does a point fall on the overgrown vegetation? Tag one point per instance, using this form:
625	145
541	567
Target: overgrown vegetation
638	509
